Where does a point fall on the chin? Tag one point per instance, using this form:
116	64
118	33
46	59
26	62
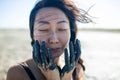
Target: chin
56	56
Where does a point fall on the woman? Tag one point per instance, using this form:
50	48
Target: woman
52	29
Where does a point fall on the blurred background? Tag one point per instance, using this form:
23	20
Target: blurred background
100	40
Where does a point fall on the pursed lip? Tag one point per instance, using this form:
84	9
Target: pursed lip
56	52
55	49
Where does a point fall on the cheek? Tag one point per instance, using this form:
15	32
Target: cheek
40	38
65	39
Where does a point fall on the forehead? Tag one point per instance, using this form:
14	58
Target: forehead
50	13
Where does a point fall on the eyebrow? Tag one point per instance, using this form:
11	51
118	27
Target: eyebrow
63	21
46	22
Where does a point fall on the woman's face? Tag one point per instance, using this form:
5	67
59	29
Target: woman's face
52	26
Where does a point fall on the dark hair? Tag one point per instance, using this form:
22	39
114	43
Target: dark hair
66	6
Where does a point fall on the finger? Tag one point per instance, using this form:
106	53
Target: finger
50	57
44	50
67	62
51	60
78	50
36	52
66	68
37	45
72	54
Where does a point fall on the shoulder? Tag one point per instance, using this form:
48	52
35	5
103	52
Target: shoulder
16	72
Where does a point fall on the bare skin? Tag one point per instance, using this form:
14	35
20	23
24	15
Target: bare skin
16	72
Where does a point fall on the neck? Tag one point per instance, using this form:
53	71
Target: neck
60	61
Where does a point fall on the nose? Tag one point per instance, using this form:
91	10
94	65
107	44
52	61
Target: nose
53	39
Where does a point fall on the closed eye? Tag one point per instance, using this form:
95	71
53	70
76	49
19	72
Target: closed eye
62	29
43	30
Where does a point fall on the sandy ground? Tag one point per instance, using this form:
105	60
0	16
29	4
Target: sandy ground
100	51
14	48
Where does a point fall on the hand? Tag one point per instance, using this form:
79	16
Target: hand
71	62
43	57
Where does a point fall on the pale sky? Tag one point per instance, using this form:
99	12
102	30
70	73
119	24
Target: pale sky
15	13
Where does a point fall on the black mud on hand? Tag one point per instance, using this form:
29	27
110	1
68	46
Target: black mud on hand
70	62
